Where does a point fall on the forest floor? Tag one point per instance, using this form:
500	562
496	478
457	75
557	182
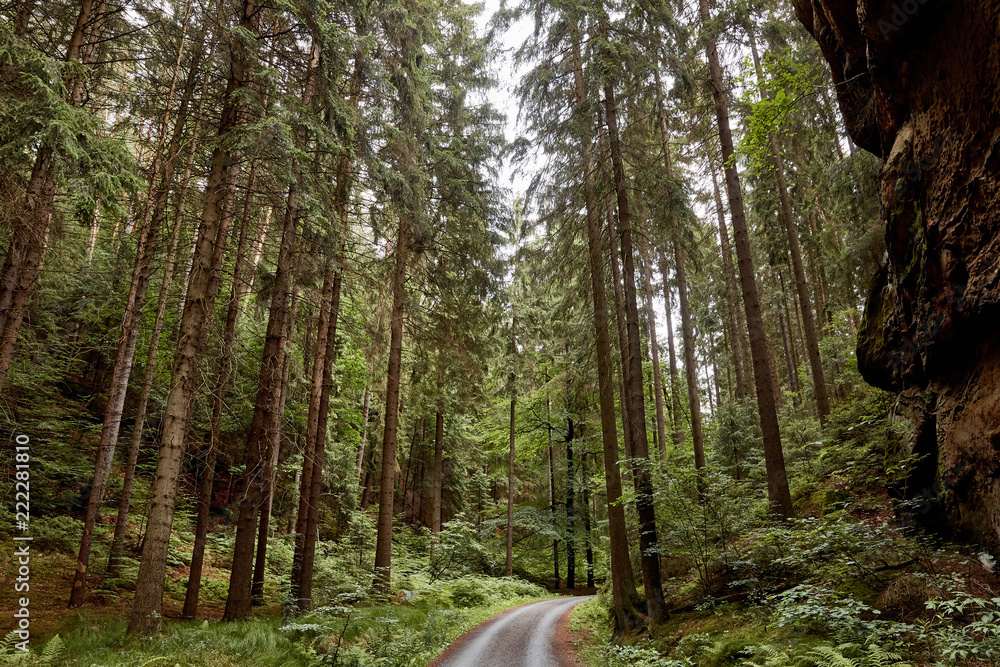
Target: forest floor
52	579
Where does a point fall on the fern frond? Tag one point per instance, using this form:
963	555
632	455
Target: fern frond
53	648
829	656
876	656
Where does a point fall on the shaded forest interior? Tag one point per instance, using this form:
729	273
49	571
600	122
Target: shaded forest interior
330	329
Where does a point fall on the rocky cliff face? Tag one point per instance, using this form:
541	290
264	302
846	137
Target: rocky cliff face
918	82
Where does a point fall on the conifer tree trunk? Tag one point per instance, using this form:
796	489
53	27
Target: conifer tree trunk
510	454
733	323
794	249
687	330
436	473
118	544
23	15
586	524
261	438
237	294
570	508
264	427
420	489
793	354
616	280
121	522
404	485
655	604
364	431
674	398
661	428
715	370
267	500
690	365
302	578
622	578
312	428
777	480
793	376
203	284
307	517
141	273
319	459
552	488
383	544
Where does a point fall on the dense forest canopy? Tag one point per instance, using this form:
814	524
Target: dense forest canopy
381	317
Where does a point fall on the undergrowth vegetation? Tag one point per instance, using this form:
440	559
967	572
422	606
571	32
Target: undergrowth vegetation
354	630
846	584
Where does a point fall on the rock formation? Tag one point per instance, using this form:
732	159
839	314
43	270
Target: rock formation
918	82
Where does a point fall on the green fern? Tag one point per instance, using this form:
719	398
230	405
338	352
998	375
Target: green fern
9	655
877	656
830	656
53	649
827	655
772	656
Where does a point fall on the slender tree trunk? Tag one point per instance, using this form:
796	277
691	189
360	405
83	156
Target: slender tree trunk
655	604
687	330
383	545
420	510
586	524
801	287
436	474
264	427
405	481
202	286
267	501
205	485
237	294
510	453
690	364
312	429
322	384
552	486
366	493
260	441
95	228
777	480
793	357
674	383
715	370
141	273
793	379
304	583
570	508
121	522
364	430
654	345
730	313
623	349
622	578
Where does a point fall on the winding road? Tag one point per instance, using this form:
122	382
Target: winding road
520	637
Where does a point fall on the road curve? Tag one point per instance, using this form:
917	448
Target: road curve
520	637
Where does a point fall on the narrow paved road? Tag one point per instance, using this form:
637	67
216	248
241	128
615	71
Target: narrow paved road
522	637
